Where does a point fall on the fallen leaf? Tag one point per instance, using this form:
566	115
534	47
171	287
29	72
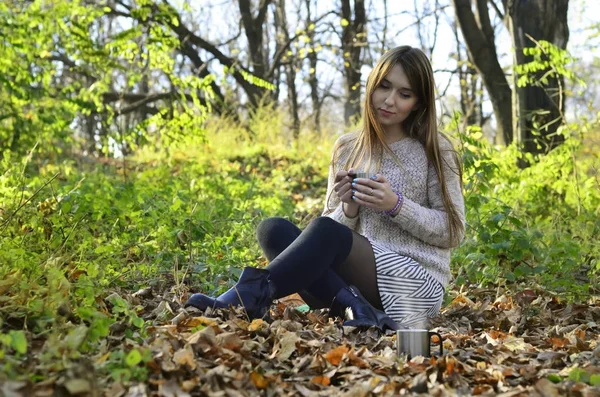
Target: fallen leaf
76	337
163	311
197	321
558	343
335	356
461	300
321	380
172	389
450	364
497	335
256	324
178	319
204	336
286	346
188	385
503	303
526	296
78	386
356	360
546	355
516	344
480	389
11	388
546	388
185	356
103	358
318	363
259	380
229	340
138	391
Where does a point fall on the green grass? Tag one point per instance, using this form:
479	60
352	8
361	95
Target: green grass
76	237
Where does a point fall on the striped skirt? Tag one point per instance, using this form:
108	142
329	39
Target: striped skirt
408	293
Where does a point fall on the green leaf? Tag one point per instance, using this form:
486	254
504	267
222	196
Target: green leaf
18	341
76	337
554	378
579	375
595	380
501	245
344	22
121	374
137	321
134	357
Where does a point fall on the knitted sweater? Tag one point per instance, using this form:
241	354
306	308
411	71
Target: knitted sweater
420	230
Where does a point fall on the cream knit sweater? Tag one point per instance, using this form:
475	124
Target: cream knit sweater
420	229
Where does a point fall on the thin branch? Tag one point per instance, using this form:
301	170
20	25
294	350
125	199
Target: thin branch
262	12
141	100
498	11
282	50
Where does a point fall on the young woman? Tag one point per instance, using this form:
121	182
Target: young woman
382	247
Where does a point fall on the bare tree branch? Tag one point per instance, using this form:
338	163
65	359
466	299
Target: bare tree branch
140	100
283	49
498	11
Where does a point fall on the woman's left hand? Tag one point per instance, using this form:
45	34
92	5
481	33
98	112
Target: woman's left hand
374	193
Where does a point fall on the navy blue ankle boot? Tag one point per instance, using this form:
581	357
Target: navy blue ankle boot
356	311
252	291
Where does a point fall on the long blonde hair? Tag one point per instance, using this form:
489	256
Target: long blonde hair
369	144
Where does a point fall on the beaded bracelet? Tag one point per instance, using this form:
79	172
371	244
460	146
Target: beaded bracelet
391	212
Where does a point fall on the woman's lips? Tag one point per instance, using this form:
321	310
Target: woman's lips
385	113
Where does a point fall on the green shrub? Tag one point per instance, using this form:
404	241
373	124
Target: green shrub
536	225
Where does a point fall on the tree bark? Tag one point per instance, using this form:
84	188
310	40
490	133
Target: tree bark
538	109
253	26
479	38
468	78
353	39
290	72
313	82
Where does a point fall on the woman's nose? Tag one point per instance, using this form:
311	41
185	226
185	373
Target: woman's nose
389	100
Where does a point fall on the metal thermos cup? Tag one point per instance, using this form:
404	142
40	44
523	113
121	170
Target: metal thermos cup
416	342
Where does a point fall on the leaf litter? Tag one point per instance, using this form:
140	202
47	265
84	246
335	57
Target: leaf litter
529	344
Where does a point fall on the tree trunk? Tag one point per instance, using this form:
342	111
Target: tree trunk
539	110
290	73
253	26
353	39
312	72
479	38
468	79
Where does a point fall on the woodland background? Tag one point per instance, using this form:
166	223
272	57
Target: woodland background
142	141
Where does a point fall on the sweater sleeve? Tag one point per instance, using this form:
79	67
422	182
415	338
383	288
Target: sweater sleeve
333	206
430	224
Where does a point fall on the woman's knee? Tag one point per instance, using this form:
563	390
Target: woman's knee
275	226
325	223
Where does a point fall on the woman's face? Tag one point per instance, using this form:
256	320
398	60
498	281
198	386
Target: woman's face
393	100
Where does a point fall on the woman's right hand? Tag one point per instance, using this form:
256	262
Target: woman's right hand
343	186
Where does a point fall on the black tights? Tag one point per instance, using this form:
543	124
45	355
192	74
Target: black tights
318	261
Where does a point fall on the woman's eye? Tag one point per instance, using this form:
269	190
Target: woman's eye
404	95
